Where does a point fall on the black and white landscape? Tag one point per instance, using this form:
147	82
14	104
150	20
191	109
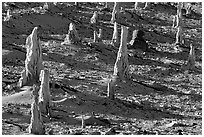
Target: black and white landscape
98	68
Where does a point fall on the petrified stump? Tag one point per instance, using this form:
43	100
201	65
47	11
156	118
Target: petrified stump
8	16
36	124
188	9
94	18
83	124
179	37
147	5
72	37
174	21
134	36
45	6
95	36
191	58
100	35
106	4
111	87
94	22
138	41
115	39
121	67
44	93
116	9
136	6
76	3
178	20
33	62
179	15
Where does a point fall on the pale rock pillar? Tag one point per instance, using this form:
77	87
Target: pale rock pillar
33	62
179	37
179	15
94	18
136	6
8	16
100	35
121	67
147	5
44	93
188	9
45	6
191	58
115	40
94	21
179	23
116	9
174	21
95	36
72	37
111	87
106	4
36	124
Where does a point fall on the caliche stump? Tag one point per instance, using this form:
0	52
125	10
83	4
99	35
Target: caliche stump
191	58
100	35
72	37
44	93
179	15
94	25
33	62
179	36
36	124
115	39
121	67
94	18
115	11
138	41
111	87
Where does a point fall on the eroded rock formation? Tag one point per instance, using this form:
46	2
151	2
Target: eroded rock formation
44	93
111	87
33	62
147	5
191	58
36	124
116	9
179	37
138	41
115	39
94	18
72	37
179	25
121	67
179	15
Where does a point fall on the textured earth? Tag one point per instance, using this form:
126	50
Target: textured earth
161	97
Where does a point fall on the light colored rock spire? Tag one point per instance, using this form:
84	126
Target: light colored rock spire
121	68
72	37
36	124
33	62
44	93
115	39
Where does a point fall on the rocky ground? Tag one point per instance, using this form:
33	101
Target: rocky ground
161	98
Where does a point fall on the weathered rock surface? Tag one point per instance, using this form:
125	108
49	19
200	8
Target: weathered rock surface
121	67
44	93
138	41
72	37
33	62
36	124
